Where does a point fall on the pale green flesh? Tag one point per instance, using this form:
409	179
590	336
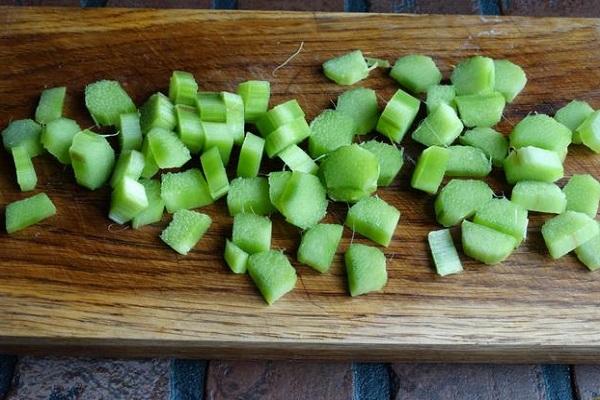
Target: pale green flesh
330	130
272	274
127	201
130	164
474	75
157	112
440	128
168	151
234	105
189	127
444	254
183	88
185	230
573	115
567	231
25	132
250	156
279	116
277	183
504	216
589	253
251	233
365	268
589	132
26	176
106	101
130	131
492	143
509	79
150	167
156	205
346	69
541	131
373	218
583	194
460	199
211	106
50	106
533	164
439	94
390	160
218	134
92	159
303	200
486	244
416	72
23	213
297	160
361	105
255	95
467	161
214	170
430	169
398	115
185	190
286	135
539	196
249	195
236	258
318	246
480	110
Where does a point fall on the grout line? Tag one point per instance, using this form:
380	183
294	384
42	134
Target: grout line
188	378
558	382
7	370
371	381
225	4
357	5
490	7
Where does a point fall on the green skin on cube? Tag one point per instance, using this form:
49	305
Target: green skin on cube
250	157
297	160
480	110
467	161
130	164
150	167
330	130
278	116
249	195
583	194
509	79
255	95
398	115
26	176
130	131
567	231
390	160
533	164
92	159
541	131
589	132
318	246
216	175
377	62
474	75
184	190
438	94
218	134
57	137
286	135
168	151
251	233
430	169
277	183
157	112
504	216
211	106
486	244
440	128
235	258
51	104
491	142
460	199
189	127
303	200
128	200
185	230
272	274
156	205
183	88
106	101
346	69
416	72
539	196
589	253
573	115
361	105
444	254
373	218
23	213
234	105
365	268
23	132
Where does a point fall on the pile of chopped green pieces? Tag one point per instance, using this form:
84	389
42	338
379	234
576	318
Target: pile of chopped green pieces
195	135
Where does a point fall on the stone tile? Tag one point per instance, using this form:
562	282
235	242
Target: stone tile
587	381
426	6
561	8
160	3
292	5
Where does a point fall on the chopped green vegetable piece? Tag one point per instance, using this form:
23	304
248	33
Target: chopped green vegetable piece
250	156
25	132
277	183
486	244
541	131
361	105
398	115
157	112
185	230
297	160
460	199
130	164
303	200
156	205
168	151
272	274
235	257
533	164
443	252
467	161
130	131
92	159
106	100
504	216
438	94
150	167
347	69
492	143
184	190
377	62
440	128
366	269
589	131
249	195
234	105
509	79
214	170
217	134
255	95
539	196
573	115
589	253
330	130
286	135
128	200
189	127
373	218
26	176
567	231
474	75
57	137
251	233
390	160
211	106
23	213
343	180
318	246
430	169
51	104
183	88
278	116
583	193
416	72
483	110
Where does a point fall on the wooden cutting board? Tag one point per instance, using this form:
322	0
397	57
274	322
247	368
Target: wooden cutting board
76	283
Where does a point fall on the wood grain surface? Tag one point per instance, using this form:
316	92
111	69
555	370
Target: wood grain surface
76	283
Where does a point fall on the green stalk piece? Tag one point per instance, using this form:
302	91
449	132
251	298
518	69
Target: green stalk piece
297	160
589	253
249	195
539	196
50	106
250	157
366	269
218	134
168	151
573	115
509	79
541	131
156	205
430	169
92	159
377	62
330	130
567	231
583	194
272	274
256	95
491	142
214	170
444	254
183	88
23	213
303	200
189	128
504	216
374	219
533	164
438	94
25	132
150	167
347	69
277	183
106	101
460	199
344	182
589	132
480	110
474	75
130	131
318	246
286	135
128	200
26	176
440	128
278	116
129	164
185	230
57	137
184	190
157	112
486	244
361	105
211	106
390	160
467	161
398	115
236	258
251	233
234	105
416	72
